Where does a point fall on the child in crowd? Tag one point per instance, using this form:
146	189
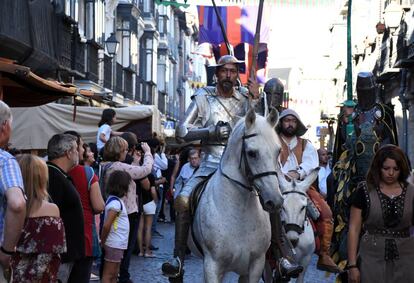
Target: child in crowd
105	131
88	156
37	256
115	230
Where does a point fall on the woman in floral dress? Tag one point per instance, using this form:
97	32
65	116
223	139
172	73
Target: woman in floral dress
37	257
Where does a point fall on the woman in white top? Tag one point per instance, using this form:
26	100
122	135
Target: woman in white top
105	131
115	230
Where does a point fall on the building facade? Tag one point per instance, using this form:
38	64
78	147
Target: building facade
382	42
66	41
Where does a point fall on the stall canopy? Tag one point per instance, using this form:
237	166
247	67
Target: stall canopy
19	87
36	125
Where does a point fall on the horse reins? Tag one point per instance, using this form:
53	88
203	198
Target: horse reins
250	176
291	226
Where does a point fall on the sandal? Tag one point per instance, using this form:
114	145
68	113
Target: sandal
149	255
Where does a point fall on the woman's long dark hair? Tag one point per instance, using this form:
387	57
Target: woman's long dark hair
107	116
392	152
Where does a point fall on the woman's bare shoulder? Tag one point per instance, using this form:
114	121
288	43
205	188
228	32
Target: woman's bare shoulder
48	209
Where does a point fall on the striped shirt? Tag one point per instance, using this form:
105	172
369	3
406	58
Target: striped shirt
10	176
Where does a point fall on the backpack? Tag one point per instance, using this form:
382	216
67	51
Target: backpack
102	261
102	173
109	200
89	173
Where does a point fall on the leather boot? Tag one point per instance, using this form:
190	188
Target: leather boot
174	267
325	262
282	250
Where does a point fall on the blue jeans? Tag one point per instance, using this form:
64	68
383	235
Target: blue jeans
124	275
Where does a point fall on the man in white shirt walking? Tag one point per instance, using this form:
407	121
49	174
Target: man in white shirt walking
324	171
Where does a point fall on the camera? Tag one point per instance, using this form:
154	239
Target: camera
138	146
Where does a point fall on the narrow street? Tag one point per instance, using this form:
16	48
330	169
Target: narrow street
146	270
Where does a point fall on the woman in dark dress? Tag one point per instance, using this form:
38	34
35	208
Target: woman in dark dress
37	257
382	212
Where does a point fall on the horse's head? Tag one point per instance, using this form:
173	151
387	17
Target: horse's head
295	203
252	151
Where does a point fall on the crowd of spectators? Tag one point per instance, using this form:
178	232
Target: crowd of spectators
83	206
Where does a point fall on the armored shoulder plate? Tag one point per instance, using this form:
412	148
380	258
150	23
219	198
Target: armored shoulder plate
243	91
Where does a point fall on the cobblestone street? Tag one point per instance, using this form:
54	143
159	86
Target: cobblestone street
147	270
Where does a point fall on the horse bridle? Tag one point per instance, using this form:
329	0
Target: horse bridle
249	175
292	226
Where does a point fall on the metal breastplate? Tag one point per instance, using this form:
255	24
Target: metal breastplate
367	141
221	109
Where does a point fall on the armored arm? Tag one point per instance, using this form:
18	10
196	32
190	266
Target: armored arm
190	129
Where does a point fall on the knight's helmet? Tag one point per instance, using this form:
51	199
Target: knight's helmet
274	90
366	88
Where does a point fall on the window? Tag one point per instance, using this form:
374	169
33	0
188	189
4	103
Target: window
95	20
100	21
124	32
134	51
162	25
147	6
71	7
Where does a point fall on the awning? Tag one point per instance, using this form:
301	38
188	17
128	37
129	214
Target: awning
34	126
19	87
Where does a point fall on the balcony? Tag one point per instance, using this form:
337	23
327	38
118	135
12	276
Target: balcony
28	34
138	89
119	79
128	92
107	72
92	62
78	56
64	44
162	102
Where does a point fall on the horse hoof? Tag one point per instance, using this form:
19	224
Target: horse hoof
179	279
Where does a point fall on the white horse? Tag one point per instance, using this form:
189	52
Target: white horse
297	225
231	223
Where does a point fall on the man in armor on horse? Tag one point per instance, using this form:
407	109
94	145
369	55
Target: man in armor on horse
373	126
298	158
209	118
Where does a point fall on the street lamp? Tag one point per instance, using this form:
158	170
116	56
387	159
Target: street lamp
112	45
392	16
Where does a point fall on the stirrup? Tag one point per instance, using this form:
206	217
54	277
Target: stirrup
173	275
292	273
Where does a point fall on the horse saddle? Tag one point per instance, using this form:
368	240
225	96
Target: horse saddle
196	195
194	201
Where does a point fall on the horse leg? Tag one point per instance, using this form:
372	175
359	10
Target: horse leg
305	263
301	277
267	273
255	271
179	279
213	273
